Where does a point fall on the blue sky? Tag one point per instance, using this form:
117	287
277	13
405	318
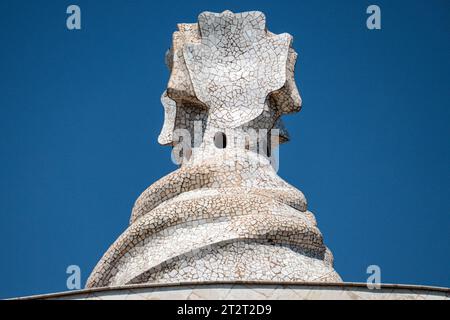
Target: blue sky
80	115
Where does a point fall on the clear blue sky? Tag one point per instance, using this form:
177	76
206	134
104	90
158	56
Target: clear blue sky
80	114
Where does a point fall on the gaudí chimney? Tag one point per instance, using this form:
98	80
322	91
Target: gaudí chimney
224	214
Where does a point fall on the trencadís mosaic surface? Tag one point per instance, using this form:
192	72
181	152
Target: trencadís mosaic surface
225	214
